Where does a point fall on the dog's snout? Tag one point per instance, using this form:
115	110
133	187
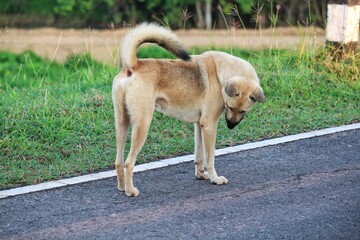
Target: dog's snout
232	122
231	125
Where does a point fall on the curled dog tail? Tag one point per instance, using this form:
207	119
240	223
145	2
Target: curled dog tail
151	33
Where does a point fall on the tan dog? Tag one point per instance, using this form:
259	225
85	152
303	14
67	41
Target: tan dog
196	89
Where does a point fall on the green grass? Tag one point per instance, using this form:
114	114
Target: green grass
56	120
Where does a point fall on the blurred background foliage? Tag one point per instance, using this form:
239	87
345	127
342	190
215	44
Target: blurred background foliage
174	13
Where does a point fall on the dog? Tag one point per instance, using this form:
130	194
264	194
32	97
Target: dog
195	89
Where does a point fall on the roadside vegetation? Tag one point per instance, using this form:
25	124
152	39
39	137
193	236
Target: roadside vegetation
56	120
189	13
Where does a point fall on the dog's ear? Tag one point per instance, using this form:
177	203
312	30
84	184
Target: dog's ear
231	90
258	95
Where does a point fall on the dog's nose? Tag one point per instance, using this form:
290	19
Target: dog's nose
231	124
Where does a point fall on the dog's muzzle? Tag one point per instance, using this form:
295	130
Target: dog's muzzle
234	120
231	124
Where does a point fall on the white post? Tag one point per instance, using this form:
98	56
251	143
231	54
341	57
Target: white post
342	29
208	16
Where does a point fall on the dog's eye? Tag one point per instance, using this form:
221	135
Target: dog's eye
237	94
252	98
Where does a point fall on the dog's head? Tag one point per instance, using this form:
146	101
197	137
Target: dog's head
239	96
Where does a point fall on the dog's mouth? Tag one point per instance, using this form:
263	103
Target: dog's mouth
231	124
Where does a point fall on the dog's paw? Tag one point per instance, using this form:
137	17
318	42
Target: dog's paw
202	175
134	192
121	188
219	180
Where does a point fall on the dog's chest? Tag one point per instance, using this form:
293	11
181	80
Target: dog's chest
183	113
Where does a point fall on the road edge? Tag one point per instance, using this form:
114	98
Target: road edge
173	161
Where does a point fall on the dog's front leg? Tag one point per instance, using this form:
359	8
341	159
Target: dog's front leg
208	131
199	154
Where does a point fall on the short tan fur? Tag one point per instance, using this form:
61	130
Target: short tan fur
195	89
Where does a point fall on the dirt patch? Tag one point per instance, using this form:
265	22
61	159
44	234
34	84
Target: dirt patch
103	45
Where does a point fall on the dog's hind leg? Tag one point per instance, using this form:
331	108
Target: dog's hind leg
141	110
121	128
139	133
199	154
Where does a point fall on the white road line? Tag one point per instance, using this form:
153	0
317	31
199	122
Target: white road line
173	161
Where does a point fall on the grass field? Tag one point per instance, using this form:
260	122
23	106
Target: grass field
56	120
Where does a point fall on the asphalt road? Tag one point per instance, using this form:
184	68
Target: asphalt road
307	189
